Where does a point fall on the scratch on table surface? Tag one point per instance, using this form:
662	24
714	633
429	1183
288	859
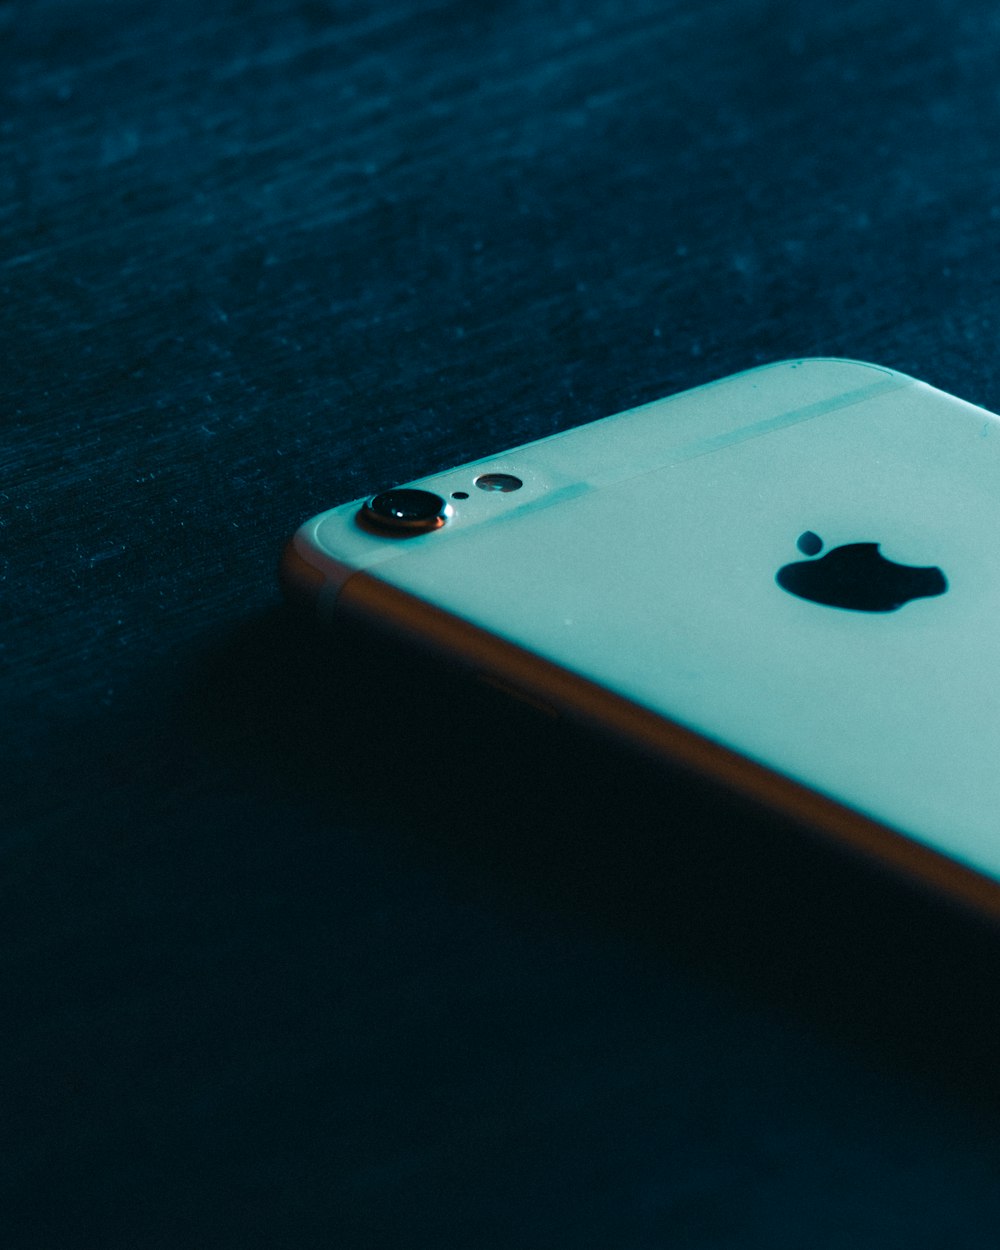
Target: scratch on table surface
108	554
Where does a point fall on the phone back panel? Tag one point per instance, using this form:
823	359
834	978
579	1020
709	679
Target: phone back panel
642	554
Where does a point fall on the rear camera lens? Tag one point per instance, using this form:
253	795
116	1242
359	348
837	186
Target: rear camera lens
499	481
404	512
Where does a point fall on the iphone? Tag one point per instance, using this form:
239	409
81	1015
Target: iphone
786	581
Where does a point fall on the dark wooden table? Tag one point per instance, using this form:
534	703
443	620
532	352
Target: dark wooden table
301	950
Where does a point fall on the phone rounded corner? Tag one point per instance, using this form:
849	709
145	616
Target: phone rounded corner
861	368
309	579
839	363
301	582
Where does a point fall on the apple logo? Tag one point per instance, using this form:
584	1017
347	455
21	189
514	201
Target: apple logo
857	577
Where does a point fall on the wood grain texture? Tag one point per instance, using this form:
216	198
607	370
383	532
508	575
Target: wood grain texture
263	985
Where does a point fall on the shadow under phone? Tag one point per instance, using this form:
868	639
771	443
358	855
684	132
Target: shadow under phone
516	804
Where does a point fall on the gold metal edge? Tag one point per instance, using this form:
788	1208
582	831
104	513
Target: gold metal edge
544	683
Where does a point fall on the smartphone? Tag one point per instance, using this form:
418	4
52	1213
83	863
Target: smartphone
785	582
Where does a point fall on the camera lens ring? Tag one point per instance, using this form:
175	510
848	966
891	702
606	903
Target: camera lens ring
404	512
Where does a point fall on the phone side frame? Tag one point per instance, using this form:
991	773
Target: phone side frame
552	689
